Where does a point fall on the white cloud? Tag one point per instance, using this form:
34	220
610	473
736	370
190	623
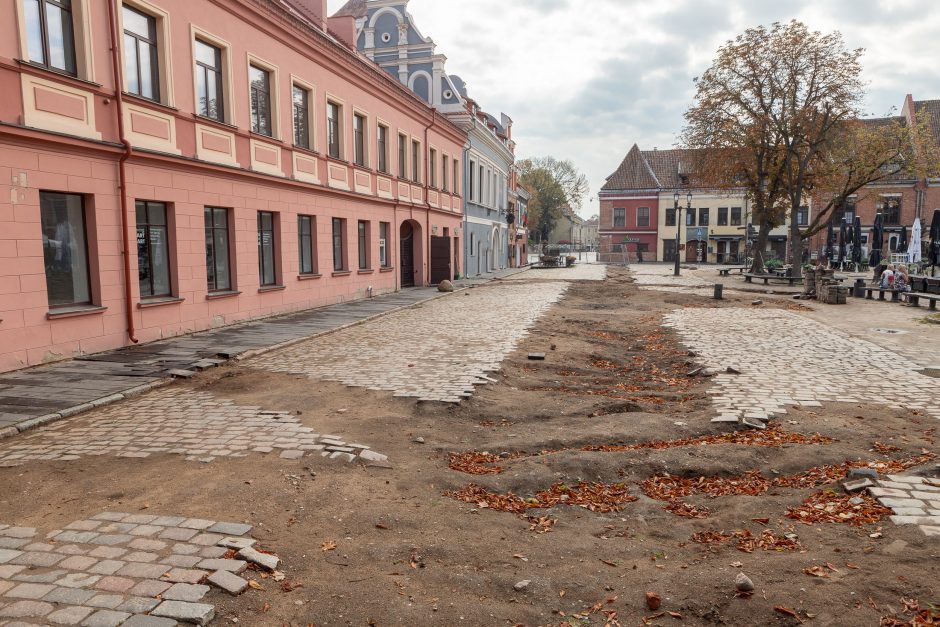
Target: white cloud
585	79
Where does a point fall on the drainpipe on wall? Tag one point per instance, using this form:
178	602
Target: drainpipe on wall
427	188
464	181
122	171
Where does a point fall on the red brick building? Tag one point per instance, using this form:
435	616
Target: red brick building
629	211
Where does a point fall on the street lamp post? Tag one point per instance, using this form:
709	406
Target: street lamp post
679	224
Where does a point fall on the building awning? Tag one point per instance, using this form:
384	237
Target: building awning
777	238
728	238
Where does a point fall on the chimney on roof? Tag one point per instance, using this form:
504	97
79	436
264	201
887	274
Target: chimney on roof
344	27
314	10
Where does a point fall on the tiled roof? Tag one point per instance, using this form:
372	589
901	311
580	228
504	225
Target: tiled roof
634	173
933	108
355	8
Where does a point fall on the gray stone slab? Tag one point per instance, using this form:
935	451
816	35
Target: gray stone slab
68	596
234	566
26	609
231	583
149	621
196	613
230	529
106	618
69	615
191	593
265	560
138	605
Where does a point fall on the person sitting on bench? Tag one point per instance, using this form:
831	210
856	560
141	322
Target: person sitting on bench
887	278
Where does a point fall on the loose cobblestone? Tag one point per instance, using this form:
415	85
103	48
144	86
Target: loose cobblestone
436	352
76	592
787	360
170	420
914	501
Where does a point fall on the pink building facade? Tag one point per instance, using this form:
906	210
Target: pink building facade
252	163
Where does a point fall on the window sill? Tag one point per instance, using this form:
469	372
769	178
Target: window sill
213	121
389	269
147	101
304	150
221	295
55	72
309	277
263	137
75	312
148	303
366	271
271	288
342	273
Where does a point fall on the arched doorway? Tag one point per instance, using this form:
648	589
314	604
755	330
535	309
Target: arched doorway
410	254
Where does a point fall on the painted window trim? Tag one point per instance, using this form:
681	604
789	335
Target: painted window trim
311	111
275	92
164	47
81	31
228	95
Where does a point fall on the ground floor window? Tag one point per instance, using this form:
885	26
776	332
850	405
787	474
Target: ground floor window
218	253
65	249
363	235
339	254
267	268
153	249
669	250
306	244
383	244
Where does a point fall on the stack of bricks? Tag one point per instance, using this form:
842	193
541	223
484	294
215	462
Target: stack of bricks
832	294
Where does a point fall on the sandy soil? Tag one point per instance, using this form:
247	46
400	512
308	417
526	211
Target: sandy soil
407	554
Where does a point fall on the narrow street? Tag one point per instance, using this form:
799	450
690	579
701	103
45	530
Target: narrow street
420	469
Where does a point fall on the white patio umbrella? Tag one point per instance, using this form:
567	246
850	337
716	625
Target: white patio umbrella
913	251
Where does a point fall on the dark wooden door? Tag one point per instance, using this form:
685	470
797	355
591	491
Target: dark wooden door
440	259
407	256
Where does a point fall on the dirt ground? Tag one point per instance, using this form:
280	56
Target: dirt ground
409	551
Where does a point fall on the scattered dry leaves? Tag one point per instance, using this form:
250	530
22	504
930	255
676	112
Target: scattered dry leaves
827	506
687	510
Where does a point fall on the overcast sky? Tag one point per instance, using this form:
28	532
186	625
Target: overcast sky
586	79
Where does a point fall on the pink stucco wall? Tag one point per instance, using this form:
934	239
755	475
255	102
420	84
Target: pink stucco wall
32	160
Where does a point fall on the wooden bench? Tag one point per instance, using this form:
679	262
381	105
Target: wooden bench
727	271
870	294
749	278
914	299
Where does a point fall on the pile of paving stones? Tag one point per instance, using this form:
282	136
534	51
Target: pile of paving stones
914	500
197	425
135	570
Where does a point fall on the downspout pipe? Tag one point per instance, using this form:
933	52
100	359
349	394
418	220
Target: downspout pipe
427	188
122	170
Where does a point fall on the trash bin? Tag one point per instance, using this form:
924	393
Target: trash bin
859	290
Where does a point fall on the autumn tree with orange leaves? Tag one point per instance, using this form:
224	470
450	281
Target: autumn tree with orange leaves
779	114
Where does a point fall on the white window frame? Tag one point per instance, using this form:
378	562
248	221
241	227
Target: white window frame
81	30
164	47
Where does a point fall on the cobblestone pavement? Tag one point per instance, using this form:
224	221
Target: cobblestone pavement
198	425
579	272
659	278
915	501
786	359
121	569
435	352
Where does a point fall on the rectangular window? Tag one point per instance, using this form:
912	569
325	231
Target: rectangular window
722	216
473	187
643	216
363	237
620	218
301	106
415	161
891	208
209	101
218	255
384	228
481	174
339	254
359	139
845	212
50	34
402	157
382	148
267	264
306	244
260	101
456	178
141	66
153	249
65	249
333	114
444	172
432	168
703	216
735	216
802	216
690	217
671	216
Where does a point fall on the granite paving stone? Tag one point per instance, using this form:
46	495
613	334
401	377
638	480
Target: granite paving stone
69	615
26	609
106	618
197	613
186	592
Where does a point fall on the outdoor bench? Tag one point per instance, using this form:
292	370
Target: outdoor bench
727	271
870	294
749	278
914	299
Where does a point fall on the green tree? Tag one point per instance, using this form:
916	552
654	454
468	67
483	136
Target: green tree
553	185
